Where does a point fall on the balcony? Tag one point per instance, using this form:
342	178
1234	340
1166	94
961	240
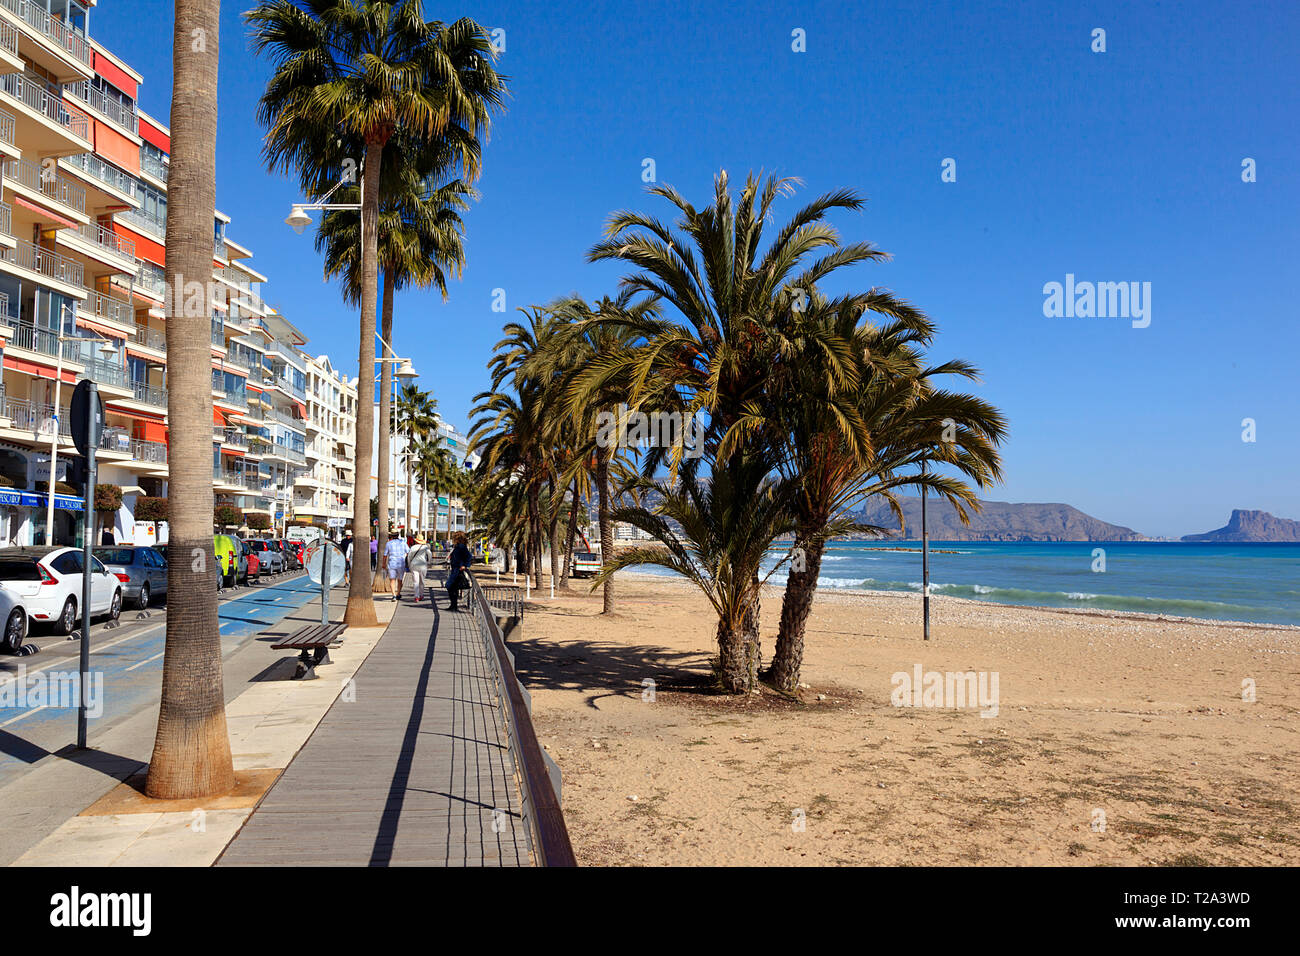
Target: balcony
53	266
108	307
149	394
104	373
54	30
151	165
149	451
155	339
138	220
107	245
34	339
58	189
230	436
56	128
116	179
6	128
115	112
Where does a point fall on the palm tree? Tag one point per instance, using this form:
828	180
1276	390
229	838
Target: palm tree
416	414
355	71
877	419
425	451
420	243
191	753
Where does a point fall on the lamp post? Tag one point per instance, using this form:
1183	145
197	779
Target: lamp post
406	372
106	349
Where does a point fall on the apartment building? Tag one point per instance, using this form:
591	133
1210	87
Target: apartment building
322	493
83	210
444	513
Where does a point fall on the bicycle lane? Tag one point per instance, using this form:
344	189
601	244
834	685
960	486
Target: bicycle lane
38	715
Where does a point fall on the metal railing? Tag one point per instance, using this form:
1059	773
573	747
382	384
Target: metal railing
538	776
154	166
39	259
7	127
150	451
39	179
6	219
105	373
99	101
45	98
36	339
108	240
150	338
230	436
9	37
149	224
106	173
108	307
149	394
52	27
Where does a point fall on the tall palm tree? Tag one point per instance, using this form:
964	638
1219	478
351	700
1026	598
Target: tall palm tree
416	416
357	71
877	421
191	753
420	244
425	453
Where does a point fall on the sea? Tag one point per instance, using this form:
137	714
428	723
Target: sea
1237	582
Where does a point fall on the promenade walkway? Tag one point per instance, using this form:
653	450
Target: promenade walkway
411	769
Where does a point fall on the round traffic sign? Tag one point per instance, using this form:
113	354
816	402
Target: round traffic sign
314	558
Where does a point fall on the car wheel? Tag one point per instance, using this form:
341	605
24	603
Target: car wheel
115	609
144	596
67	617
15	630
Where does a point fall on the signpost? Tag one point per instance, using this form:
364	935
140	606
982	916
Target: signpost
325	566
87	425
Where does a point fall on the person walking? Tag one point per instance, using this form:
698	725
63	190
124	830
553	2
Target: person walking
418	561
460	561
347	559
395	562
374	552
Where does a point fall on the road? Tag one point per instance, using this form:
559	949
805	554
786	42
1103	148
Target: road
127	658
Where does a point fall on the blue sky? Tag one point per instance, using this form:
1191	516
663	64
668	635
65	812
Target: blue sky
1115	166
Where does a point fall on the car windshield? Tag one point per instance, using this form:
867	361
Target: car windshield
257	545
585	556
19	569
115	555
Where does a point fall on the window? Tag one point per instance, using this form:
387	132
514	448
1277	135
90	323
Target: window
116	555
19	569
67	563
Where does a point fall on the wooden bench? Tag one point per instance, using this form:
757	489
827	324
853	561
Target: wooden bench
316	638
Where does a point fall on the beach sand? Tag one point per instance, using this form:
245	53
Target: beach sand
1119	739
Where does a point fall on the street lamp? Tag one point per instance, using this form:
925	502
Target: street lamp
106	349
298	220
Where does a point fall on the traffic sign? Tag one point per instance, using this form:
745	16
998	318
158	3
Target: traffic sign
314	558
87	417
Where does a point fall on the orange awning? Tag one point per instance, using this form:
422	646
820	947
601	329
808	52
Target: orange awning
112	333
44	211
43	371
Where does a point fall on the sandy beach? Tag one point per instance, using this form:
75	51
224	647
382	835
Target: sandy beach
1119	739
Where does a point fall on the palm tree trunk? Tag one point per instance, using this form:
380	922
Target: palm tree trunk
410	495
553	536
572	532
361	603
191	752
380	583
796	604
606	529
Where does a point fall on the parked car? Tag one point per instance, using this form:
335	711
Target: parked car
241	559
142	571
292	556
270	559
54	593
12	575
254	571
223	546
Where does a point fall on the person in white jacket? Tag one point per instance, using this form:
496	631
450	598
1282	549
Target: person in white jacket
417	561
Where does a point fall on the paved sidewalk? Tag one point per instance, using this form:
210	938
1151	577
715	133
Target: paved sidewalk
414	771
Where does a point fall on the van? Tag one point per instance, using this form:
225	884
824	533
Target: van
226	551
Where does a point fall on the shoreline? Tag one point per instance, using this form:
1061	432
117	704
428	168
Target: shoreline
946	598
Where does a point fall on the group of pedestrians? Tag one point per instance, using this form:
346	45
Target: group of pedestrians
403	556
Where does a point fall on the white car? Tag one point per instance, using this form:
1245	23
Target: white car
46	583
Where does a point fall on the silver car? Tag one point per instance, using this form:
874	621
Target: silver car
142	571
270	557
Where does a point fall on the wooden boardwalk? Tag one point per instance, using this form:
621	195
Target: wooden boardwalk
415	771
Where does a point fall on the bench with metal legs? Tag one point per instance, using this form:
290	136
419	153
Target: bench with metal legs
314	642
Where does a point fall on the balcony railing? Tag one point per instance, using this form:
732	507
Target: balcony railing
45	98
9	37
39	259
6	219
153	166
230	436
6	127
144	222
106	173
151	451
292	454
115	111
109	241
39	340
150	338
109	307
149	394
54	187
105	373
52	27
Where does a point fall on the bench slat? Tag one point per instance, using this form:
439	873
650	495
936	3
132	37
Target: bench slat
313	635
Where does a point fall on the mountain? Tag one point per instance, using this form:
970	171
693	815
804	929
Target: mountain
1252	526
997	521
